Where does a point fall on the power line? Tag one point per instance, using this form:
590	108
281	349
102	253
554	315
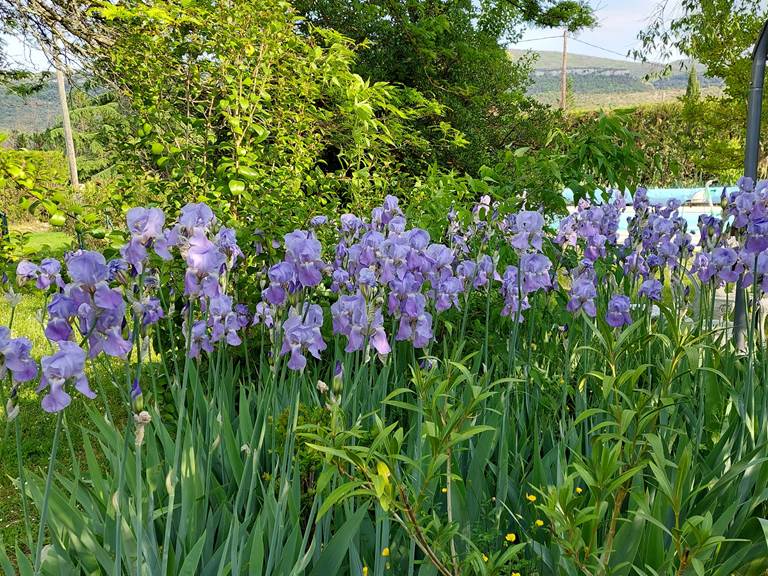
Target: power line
599	47
536	39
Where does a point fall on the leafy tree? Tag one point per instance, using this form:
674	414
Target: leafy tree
452	50
693	90
717	33
229	103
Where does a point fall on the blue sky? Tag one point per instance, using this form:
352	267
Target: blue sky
619	21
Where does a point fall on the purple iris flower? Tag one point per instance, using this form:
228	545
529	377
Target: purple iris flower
67	366
515	300
303	250
651	289
301	333
264	315
583	294
527	230
201	340
196	217
618	311
535	271
318	221
351	318
145	224
87	268
204	263
282	277
15	357
226	242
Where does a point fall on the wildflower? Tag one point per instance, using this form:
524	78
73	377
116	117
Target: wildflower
444	490
485	558
515	573
651	289
618	311
539	523
302	333
365	570
579	490
385	552
15	357
302	250
530	497
583	293
511	537
63	367
196	217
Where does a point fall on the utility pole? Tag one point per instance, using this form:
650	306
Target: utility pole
564	71
68	140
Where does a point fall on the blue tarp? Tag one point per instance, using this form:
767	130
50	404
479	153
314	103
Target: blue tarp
661	195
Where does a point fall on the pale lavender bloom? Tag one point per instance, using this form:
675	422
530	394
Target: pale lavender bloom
145	224
201	341
196	217
583	294
302	250
226	242
117	271
204	263
351	319
618	311
50	274
515	300
416	328
651	289
26	271
446	293
535	272
301	333
318	221
87	268
527	230
725	264
151	311
634	265
282	277
59	369
264	315
15	357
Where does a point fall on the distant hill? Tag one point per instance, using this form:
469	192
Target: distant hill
31	113
596	82
606	82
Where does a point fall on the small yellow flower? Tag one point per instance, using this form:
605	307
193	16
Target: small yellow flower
511	537
385	552
579	490
485	558
515	573
539	523
530	497
444	490
365	570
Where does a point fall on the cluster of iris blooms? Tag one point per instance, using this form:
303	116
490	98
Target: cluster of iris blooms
382	273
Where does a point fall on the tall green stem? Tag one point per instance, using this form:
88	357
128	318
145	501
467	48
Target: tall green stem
46	494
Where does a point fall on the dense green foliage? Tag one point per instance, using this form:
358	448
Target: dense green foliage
690	142
451	51
267	125
718	33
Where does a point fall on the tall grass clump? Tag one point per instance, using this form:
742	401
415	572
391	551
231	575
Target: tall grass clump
506	398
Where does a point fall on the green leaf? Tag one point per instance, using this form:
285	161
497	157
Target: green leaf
189	567
236	186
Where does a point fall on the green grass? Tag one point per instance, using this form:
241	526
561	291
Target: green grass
49	242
